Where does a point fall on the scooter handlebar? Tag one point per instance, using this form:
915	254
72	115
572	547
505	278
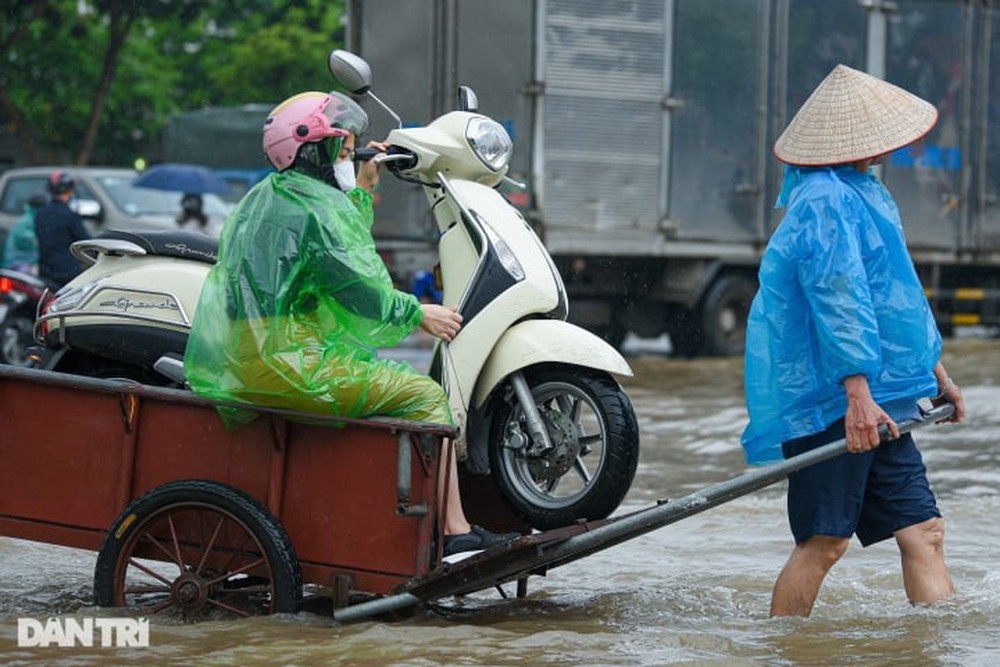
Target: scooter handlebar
397	159
366	154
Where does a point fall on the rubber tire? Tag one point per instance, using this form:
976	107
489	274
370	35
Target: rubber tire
89	365
256	518
687	339
729	296
613	334
20	328
614	478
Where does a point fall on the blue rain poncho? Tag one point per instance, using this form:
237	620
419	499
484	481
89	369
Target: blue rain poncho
296	305
839	296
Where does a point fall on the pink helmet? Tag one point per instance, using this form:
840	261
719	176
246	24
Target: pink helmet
60	182
307	118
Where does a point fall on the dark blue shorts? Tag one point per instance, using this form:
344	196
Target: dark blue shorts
873	494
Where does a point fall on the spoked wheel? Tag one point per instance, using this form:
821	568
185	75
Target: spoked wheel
594	454
198	549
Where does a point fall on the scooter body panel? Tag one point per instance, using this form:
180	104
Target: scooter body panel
128	309
495	268
546	341
132	291
443	148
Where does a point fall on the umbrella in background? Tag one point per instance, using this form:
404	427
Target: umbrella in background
188	178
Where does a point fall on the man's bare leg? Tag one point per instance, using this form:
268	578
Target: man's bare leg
798	585
921	550
455	522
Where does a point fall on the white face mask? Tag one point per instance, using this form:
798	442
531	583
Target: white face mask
343	171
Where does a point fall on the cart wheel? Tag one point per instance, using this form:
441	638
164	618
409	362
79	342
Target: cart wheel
197	548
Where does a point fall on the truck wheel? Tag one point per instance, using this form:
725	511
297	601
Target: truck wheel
686	337
199	549
724	315
613	334
592	427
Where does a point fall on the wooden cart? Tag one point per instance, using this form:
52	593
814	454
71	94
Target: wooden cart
190	517
242	517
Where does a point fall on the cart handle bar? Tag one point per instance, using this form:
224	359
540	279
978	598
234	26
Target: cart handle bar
667	512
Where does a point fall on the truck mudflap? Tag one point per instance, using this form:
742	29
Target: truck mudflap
540	552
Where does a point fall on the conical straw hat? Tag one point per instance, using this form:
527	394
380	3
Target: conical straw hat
853	116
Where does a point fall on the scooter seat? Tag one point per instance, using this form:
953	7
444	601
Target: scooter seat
181	244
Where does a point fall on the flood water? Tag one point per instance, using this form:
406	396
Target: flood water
695	592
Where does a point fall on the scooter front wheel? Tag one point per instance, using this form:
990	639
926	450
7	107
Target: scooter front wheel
593	453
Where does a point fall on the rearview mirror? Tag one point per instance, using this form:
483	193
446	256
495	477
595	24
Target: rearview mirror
87	208
350	71
467	100
354	74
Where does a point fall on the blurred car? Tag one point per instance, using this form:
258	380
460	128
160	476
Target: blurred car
241	180
106	198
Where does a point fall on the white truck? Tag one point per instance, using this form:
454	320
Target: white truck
643	130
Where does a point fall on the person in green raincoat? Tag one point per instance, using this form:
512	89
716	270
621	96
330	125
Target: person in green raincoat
20	250
299	301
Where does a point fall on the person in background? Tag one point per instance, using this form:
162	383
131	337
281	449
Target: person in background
192	209
20	252
424	287
841	340
57	226
293	312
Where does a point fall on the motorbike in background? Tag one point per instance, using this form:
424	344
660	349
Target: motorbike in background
20	294
534	397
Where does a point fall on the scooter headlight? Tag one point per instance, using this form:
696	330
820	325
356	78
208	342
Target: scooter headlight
490	142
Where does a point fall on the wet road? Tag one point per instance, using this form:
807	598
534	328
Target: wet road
696	592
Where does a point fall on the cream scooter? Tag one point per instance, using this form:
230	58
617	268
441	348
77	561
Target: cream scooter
533	395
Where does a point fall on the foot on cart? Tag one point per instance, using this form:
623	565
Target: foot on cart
457	547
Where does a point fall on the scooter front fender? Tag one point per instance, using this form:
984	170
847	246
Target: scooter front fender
546	341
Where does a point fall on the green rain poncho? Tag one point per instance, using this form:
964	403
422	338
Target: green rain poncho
20	250
293	311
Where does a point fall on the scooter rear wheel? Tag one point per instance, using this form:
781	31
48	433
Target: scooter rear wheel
595	448
75	362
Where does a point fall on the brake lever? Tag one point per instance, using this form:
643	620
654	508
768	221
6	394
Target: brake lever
393	157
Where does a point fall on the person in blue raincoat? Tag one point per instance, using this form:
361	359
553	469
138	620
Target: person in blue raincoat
293	312
841	339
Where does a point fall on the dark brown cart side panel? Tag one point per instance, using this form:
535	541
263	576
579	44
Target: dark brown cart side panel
61	461
74	451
